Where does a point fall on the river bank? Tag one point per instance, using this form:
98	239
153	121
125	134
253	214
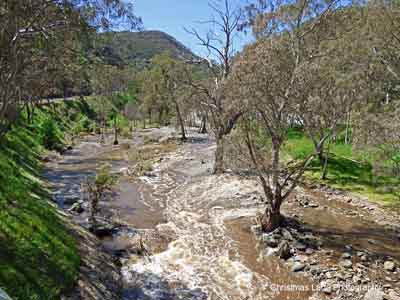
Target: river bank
188	234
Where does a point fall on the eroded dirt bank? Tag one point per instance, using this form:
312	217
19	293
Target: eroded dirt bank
197	230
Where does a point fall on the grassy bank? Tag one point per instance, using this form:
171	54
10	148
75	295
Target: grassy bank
347	169
38	256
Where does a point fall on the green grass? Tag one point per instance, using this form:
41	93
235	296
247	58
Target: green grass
38	255
347	170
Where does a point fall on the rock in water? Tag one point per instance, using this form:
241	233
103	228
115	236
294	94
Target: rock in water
346	255
300	246
270	240
374	294
77	207
392	296
164	139
298	267
389	266
346	263
284	250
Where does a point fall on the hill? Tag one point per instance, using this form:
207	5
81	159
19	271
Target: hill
137	48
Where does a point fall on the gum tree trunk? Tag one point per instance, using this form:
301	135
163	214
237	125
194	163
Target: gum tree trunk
272	217
219	156
180	121
203	127
325	167
115	131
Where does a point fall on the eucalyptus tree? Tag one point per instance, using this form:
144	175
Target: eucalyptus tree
111	84
335	83
31	30
164	87
273	77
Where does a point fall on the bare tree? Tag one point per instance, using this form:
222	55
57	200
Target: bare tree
219	42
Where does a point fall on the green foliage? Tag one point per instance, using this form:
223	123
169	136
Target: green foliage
104	177
38	256
50	135
83	124
347	169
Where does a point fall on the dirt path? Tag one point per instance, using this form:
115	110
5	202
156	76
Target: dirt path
197	229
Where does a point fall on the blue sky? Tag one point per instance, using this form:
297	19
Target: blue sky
171	16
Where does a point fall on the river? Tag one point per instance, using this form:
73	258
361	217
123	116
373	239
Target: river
196	225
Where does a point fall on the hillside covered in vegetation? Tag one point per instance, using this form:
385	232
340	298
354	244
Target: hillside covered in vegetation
138	48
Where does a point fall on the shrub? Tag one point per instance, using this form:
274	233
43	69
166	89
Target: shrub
50	135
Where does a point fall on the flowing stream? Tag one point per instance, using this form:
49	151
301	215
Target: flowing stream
207	250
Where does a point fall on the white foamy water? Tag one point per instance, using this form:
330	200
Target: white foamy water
203	262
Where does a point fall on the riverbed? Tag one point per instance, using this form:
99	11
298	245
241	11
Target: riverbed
195	226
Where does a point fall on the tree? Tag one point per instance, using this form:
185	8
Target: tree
112	85
219	42
164	88
334	83
272	76
99	189
35	33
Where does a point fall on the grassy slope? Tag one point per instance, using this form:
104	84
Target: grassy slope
38	256
347	170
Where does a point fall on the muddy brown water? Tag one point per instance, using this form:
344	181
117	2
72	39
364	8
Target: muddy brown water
287	285
211	256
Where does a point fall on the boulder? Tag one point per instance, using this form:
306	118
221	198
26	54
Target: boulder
327	290
364	258
77	207
389	266
346	263
270	240
346	255
309	251
284	250
391	296
286	234
300	246
298	267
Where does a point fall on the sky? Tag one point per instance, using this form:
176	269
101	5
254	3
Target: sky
171	16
